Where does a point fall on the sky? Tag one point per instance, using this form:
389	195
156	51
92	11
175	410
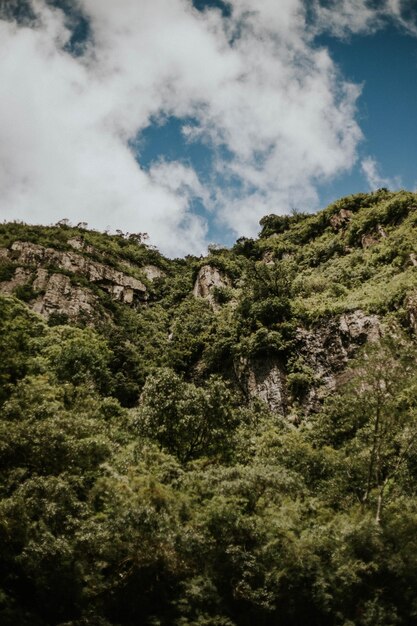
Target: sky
191	119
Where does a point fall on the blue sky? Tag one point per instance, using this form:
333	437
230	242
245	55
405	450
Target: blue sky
191	120
385	64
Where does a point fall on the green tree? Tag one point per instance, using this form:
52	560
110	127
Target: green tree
18	329
134	538
79	356
373	419
187	420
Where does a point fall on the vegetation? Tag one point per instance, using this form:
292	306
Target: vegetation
141	482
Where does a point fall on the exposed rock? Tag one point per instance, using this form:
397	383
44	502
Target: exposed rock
56	294
120	286
265	379
411	306
325	350
152	272
372	238
21	277
340	219
268	258
55	291
413	259
381	231
207	279
122	293
27	253
76	242
41	281
60	296
368	240
359	328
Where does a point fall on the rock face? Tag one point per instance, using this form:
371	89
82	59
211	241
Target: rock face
21	277
152	272
324	350
265	379
374	237
340	219
78	243
268	258
38	266
327	348
28	253
207	279
411	307
60	296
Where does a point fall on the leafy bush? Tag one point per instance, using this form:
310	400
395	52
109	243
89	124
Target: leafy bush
195	504
274	224
186	420
222	295
7	270
246	247
25	292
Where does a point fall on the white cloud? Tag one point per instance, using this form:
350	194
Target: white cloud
370	169
254	83
180	179
348	17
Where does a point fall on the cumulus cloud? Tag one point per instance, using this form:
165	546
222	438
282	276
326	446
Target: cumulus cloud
180	179
343	18
370	169
275	110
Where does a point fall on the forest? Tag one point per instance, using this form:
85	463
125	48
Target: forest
228	440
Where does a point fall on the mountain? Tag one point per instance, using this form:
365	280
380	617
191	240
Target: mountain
227	440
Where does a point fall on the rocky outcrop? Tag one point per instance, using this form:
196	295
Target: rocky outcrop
340	219
21	276
370	239
39	266
60	296
78	243
356	328
152	272
52	293
324	350
327	348
411	308
268	258
121	286
207	279
413	259
264	379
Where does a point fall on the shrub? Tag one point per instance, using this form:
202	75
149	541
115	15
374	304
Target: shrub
7	270
26	293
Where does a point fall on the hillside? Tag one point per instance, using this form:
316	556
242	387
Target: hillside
228	440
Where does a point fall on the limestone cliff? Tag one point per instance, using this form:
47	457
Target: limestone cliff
281	316
323	350
50	275
209	279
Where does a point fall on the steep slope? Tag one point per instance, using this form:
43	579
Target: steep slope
279	316
228	440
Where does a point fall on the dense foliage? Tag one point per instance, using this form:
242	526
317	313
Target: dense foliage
140	483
